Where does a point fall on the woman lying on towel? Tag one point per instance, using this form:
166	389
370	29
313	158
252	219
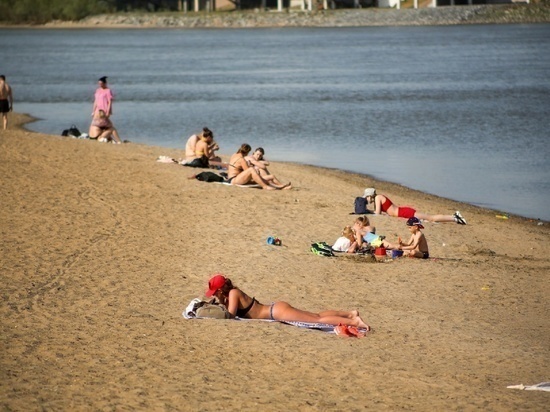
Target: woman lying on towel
240	304
260	163
240	173
382	204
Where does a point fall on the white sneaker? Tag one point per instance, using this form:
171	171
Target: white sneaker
459	219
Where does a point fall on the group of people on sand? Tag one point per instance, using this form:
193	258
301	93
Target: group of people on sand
243	168
362	235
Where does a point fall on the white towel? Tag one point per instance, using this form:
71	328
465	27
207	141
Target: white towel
543	386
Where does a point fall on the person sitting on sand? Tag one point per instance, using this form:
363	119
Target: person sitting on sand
417	246
346	242
365	235
240	304
102	128
382	204
240	173
191	151
202	152
260	163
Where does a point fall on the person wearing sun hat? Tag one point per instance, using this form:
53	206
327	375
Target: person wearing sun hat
382	204
239	304
417	245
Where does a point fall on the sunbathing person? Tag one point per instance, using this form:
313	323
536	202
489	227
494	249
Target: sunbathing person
260	163
102	128
240	304
382	204
240	173
192	152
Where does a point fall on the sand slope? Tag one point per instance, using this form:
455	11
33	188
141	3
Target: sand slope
102	248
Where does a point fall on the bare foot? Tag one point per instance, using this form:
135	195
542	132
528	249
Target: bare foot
268	188
287	186
361	324
192	177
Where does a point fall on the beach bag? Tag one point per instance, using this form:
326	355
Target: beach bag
71	131
360	206
322	249
209	177
212	310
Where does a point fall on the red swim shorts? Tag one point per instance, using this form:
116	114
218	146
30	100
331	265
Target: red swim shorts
406	212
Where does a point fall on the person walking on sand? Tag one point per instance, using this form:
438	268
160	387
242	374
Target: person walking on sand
240	304
382	204
103	100
417	245
6	100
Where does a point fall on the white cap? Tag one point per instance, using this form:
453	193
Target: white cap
371	191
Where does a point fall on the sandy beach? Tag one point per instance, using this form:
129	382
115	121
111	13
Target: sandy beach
103	248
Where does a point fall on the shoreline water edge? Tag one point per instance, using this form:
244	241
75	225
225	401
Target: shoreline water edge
446	15
27	119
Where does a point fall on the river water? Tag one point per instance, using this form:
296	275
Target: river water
460	111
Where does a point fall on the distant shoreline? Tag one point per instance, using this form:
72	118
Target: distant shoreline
448	15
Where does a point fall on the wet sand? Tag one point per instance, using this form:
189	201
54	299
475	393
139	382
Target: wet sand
102	248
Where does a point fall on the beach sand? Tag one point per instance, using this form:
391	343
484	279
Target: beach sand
102	249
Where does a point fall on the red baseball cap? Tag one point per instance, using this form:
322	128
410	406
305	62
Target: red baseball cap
215	283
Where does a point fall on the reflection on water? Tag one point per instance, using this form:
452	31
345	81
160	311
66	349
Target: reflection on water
460	112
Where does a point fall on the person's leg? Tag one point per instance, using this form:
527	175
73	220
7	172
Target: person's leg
5	120
105	134
416	254
272	180
248	175
435	218
94	132
284	312
115	135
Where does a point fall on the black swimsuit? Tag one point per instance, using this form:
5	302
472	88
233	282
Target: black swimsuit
241	313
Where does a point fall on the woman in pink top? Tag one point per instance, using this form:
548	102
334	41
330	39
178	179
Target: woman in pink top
382	204
103	98
103	101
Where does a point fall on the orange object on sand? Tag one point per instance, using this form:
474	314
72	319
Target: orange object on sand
349	331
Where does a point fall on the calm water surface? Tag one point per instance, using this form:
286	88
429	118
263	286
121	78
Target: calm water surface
461	112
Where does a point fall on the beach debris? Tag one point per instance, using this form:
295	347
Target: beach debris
349	331
274	240
543	386
504	216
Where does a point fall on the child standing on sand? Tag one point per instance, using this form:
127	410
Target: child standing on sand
417	246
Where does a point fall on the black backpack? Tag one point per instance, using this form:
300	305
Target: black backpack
360	206
72	132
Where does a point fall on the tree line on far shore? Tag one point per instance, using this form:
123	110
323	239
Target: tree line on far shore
43	11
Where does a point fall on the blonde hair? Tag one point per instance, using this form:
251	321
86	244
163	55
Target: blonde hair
347	232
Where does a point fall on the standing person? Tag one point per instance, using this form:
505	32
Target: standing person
383	204
6	100
240	304
417	245
103	100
